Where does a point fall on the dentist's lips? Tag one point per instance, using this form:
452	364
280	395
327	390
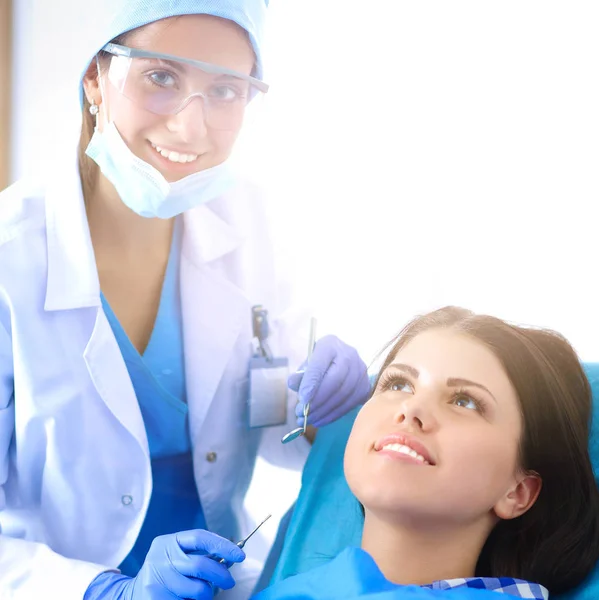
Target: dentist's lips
166	165
404	445
175	156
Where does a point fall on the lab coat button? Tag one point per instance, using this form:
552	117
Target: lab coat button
211	456
126	499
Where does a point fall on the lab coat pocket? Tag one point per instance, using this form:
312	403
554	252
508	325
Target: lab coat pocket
241	391
7	425
247	439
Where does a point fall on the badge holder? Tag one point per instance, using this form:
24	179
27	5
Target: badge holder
268	378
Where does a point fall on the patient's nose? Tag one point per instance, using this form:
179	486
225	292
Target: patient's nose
417	412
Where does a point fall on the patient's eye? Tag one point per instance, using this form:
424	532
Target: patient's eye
466	400
395	383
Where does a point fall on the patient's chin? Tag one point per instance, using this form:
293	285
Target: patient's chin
377	499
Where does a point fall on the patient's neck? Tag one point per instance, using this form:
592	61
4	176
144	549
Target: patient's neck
409	554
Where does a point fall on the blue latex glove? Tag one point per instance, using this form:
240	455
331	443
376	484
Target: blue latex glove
333	381
172	570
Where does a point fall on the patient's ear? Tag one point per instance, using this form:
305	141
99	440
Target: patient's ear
520	497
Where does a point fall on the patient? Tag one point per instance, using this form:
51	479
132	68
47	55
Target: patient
470	461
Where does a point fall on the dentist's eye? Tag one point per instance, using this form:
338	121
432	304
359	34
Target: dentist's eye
395	383
225	93
162	79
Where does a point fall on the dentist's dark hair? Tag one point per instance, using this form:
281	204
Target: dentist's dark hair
88	169
556	542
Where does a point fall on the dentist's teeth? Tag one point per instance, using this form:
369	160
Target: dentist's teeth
175	157
401	449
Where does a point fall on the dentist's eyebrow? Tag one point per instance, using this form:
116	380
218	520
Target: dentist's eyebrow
457	382
164	62
406	368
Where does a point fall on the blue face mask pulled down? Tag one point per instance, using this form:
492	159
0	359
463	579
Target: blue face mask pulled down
143	188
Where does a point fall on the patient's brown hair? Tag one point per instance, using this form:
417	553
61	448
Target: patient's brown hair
556	542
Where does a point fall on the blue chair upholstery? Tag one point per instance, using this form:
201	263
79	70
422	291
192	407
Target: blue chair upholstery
327	517
589	589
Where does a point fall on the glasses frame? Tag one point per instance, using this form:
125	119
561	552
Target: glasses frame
118	50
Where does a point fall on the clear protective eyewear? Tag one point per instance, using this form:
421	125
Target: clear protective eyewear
165	84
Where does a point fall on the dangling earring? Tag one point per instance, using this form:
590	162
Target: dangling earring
94	109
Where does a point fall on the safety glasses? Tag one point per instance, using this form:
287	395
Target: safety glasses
165	84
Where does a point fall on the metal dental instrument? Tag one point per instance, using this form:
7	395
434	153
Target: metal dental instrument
241	543
292	435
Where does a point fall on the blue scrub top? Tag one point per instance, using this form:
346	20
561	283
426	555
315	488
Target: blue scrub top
158	378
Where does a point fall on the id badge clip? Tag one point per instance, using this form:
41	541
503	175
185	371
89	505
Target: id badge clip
268	378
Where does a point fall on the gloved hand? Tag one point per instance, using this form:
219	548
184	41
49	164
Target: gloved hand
333	381
170	571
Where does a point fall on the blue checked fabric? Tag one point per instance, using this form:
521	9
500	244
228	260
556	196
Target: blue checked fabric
505	585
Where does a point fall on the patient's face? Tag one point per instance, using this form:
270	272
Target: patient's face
438	442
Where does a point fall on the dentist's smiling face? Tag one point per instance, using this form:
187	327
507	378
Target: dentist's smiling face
185	134
437	444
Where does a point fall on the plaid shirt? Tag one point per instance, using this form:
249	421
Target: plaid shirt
505	585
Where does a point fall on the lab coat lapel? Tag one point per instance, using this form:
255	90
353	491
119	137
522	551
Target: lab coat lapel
214	309
109	374
73	284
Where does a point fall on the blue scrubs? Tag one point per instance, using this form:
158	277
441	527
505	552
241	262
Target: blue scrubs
158	377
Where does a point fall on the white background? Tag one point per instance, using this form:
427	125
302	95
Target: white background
417	154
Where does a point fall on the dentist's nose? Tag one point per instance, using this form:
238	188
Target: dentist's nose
190	123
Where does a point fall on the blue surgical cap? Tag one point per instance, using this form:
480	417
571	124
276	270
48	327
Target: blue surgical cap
130	14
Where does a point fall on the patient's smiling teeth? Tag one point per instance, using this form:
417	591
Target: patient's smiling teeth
401	449
176	157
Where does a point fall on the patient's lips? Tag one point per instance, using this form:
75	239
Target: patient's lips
399	445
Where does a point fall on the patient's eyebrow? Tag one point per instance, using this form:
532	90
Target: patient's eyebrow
451	381
457	382
406	368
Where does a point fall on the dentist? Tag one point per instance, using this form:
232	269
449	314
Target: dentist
136	388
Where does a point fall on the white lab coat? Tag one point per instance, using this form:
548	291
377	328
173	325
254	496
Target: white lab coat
75	478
